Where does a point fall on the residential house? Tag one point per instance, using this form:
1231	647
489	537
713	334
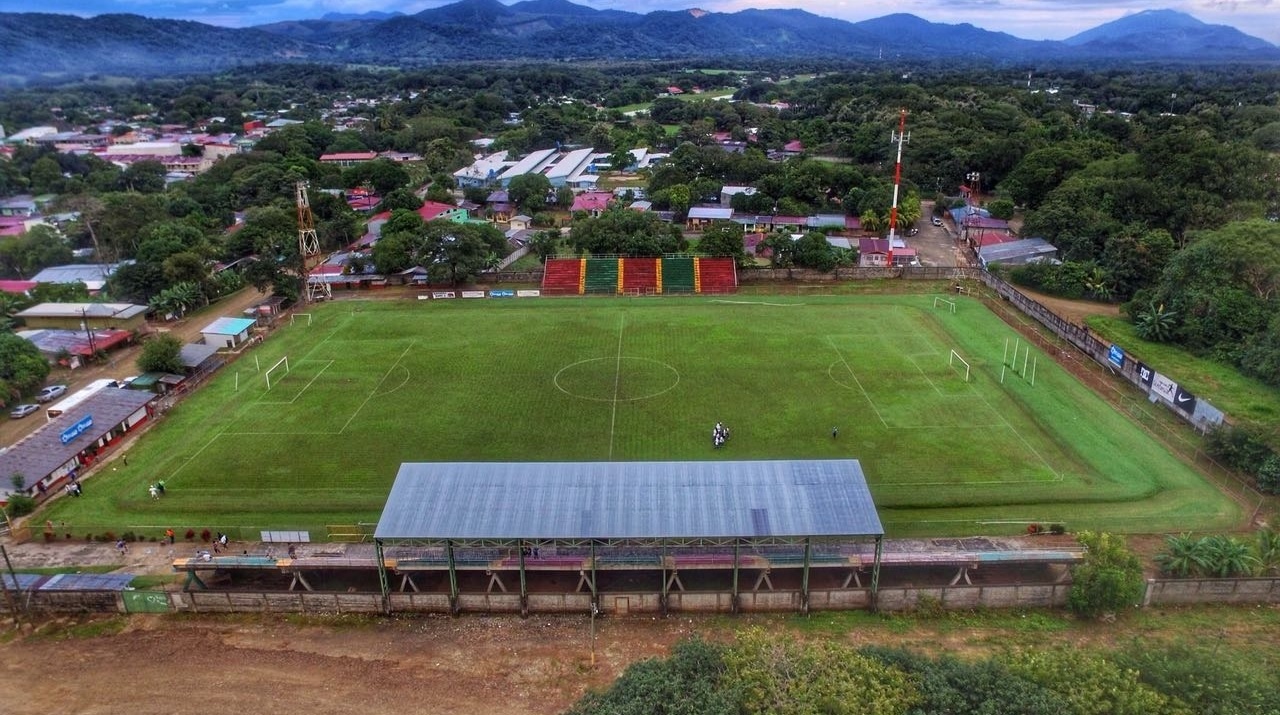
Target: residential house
227	332
592	202
873	253
84	316
499	206
436	211
349	158
699	217
1015	253
93	275
520	222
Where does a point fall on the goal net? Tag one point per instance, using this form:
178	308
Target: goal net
946	304
279	370
956	362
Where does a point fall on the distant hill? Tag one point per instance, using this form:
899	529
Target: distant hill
1175	34
37	44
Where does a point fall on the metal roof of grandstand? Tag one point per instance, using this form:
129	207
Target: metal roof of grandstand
629	500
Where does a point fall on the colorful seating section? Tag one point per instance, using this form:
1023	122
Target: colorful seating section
717	275
677	275
602	275
563	276
639	276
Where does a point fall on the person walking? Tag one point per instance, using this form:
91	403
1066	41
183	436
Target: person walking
835	432
168	533
122	547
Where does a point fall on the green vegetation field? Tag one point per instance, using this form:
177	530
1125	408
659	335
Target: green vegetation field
372	384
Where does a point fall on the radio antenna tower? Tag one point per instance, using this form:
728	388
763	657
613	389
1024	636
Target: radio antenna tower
308	246
901	137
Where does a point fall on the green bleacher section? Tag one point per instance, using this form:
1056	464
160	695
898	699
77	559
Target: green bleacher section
602	275
677	275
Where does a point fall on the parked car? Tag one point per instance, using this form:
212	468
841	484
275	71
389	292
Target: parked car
51	392
937	221
23	410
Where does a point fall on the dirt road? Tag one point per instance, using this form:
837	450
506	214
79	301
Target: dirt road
122	363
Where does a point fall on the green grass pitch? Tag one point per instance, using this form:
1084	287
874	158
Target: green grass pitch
374	383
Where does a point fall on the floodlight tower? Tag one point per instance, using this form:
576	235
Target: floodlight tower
308	245
901	137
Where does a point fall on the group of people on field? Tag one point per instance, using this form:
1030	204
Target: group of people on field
719	435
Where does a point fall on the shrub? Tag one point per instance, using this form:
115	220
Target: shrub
1268	476
191	534
1057	529
109	536
205	535
20	505
1110	578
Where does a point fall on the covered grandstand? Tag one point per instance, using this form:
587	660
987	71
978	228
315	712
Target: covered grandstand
619	537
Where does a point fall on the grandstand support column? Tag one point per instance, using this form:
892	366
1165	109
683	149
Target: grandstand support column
595	595
524	586
733	600
875	576
804	577
662	598
382	576
453	579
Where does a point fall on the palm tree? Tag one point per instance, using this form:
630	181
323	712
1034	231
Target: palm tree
1230	557
1156	323
1184	556
185	295
1268	552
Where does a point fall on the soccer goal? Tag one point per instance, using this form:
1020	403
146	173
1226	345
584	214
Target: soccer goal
955	358
951	304
294	318
281	363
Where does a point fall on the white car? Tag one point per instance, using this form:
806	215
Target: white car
23	410
937	221
50	393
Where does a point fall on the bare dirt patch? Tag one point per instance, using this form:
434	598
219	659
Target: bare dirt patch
1074	310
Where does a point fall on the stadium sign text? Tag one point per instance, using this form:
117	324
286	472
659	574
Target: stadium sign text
1115	356
76	429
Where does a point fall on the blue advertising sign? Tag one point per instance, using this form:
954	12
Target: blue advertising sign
76	429
1115	356
502	294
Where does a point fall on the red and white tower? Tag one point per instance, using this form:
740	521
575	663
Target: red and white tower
901	137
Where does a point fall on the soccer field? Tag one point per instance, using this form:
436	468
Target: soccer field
371	384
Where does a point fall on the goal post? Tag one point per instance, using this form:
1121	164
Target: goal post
282	362
955	358
294	317
950	304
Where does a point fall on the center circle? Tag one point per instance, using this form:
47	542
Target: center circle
614	379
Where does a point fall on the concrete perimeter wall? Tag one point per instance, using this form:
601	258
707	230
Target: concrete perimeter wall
1160	592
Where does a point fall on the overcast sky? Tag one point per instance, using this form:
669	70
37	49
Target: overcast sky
1030	19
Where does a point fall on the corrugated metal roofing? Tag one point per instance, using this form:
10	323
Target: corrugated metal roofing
228	326
619	500
87	582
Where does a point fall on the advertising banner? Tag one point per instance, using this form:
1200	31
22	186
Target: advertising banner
1145	374
442	294
502	294
1115	356
1185	401
1164	387
472	294
528	293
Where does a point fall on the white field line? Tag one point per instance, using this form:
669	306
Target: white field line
925	376
374	391
1056	474
328	364
854	375
754	302
617	380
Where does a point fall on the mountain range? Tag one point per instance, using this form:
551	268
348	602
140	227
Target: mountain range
34	45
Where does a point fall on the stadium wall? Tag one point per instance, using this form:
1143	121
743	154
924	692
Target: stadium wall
1159	592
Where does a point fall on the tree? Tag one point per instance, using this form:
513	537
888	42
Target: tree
400	199
22	367
781	676
1090	684
529	192
145	177
625	232
161	354
1108	580
949	685
32	252
691	681
544	244
724	238
1001	209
